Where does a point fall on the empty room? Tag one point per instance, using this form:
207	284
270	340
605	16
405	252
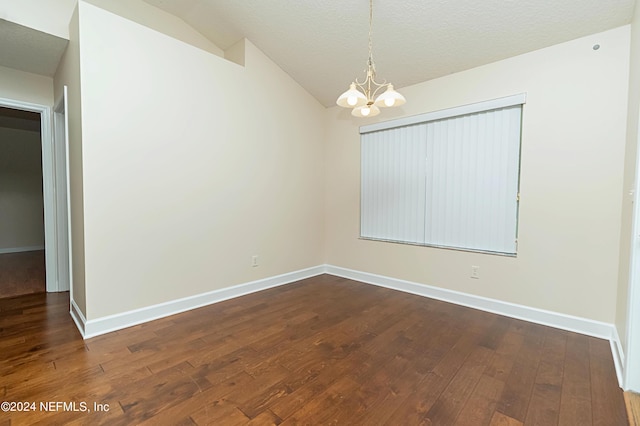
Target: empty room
341	212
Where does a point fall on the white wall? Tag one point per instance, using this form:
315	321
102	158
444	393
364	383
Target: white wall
68	73
21	202
191	165
49	16
571	181
159	20
26	87
627	234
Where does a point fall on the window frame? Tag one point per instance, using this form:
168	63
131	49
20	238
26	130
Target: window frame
518	100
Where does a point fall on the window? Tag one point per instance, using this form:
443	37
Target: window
447	179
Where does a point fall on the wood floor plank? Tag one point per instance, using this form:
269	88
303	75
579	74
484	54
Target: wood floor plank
607	409
325	350
515	398
324	406
480	407
632	402
328	374
207	405
266	418
504	356
401	378
500	419
544	406
414	409
450	403
575	406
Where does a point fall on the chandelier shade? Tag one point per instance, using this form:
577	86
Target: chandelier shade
390	98
361	95
352	98
365	111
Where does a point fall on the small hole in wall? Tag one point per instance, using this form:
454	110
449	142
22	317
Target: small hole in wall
596	46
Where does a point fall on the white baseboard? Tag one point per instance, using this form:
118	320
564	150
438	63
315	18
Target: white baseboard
78	317
95	327
20	249
618	356
539	316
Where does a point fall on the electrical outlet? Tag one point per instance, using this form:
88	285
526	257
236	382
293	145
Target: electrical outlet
475	272
254	260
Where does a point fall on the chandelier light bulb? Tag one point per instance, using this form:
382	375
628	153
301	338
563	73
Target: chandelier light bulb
352	100
389	102
365	111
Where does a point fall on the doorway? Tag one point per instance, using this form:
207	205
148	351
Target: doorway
54	184
22	258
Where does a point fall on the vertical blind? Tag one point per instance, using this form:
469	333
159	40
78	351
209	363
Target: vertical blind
447	182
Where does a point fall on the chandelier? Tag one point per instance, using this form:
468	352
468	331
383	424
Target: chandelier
361	95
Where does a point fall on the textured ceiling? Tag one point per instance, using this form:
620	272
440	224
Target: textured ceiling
322	44
29	50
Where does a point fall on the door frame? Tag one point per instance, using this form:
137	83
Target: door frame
62	193
632	356
48	187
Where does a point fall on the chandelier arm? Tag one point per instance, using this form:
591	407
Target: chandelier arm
366	87
379	86
366	80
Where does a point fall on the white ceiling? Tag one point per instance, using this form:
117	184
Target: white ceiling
322	44
29	50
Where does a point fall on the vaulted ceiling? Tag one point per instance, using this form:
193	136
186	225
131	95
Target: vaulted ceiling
322	44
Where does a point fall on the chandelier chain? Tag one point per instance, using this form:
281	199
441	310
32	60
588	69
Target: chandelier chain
370	34
370	86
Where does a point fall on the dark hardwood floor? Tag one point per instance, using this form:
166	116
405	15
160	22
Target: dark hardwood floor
632	401
325	350
22	273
